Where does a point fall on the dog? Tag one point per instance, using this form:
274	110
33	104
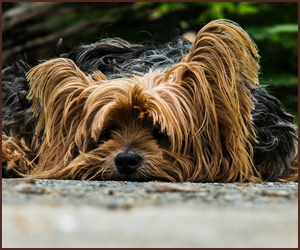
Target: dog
176	112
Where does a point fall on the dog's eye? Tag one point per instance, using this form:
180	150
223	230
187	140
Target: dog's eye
105	134
158	134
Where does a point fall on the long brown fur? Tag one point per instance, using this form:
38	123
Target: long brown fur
202	102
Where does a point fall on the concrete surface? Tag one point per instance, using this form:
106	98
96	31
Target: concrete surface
51	213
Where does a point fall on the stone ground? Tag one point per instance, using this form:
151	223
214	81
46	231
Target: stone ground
54	213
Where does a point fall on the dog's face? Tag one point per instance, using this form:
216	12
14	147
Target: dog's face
189	122
135	129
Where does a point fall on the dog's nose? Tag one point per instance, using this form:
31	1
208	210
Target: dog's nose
127	162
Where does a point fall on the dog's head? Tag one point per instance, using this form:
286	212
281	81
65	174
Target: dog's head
188	122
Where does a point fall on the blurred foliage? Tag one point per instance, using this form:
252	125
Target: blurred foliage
272	25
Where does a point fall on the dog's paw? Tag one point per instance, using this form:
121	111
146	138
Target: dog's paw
14	161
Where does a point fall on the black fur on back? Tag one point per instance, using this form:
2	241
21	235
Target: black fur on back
14	91
116	58
276	133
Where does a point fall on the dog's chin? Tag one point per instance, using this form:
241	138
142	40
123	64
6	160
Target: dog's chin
140	175
160	171
133	177
129	177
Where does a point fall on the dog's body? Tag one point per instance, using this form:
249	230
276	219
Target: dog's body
118	111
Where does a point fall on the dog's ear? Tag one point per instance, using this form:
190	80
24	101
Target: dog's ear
54	85
58	92
98	75
218	73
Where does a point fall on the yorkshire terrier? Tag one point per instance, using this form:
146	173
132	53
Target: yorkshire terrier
176	112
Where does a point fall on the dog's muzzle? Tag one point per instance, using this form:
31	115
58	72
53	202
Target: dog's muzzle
127	162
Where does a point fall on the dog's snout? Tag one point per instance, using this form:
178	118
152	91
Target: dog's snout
128	162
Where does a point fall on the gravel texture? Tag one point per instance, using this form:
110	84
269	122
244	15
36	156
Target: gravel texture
65	213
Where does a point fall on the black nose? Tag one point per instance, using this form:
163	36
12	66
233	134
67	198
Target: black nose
127	162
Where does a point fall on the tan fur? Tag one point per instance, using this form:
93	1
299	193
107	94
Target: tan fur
14	157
